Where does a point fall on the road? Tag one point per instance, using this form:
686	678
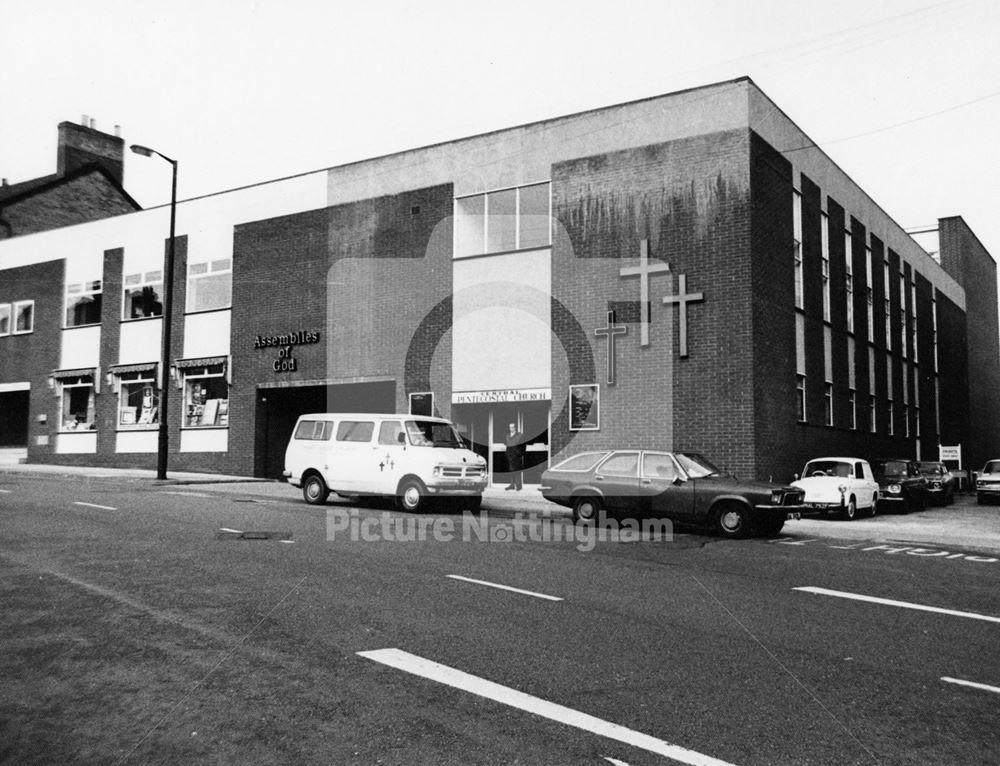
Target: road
149	623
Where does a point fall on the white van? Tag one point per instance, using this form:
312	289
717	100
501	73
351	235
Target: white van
410	457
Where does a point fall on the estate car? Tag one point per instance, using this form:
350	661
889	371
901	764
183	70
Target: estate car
681	486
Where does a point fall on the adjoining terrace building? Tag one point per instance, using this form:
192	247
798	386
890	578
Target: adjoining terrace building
685	271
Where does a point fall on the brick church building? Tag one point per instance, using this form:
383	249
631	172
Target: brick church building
685	271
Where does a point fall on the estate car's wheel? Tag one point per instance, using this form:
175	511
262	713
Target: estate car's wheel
586	508
733	520
850	510
772	527
314	489
411	495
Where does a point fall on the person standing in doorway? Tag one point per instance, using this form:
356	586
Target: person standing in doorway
515	457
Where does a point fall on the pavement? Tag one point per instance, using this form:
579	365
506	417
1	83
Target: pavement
964	524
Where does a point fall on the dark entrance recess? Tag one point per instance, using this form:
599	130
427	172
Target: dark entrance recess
279	408
14	418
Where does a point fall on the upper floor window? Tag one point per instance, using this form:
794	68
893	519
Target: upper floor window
849	281
83	303
902	313
210	285
4	319
869	295
797	235
913	321
504	220
888	310
143	295
24	316
825	244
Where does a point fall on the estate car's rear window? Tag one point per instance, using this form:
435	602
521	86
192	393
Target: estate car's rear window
581	462
314	430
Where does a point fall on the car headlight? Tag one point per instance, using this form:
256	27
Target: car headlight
437	471
776	496
895	489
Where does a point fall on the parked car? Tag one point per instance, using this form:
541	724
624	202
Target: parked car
903	487
681	486
988	483
413	459
941	482
844	485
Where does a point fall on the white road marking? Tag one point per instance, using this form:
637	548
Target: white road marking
234	531
6	491
411	663
615	761
92	505
903	604
505	587
185	494
973	684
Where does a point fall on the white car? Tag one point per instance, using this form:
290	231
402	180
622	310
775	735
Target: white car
845	485
988	483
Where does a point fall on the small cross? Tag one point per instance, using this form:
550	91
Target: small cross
682	299
611	330
643	271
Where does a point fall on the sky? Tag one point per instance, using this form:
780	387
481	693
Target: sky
904	95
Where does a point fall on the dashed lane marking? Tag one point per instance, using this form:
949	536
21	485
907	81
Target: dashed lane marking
6	491
902	604
505	587
185	494
94	505
973	684
443	674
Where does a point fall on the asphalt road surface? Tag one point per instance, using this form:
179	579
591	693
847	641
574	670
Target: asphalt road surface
147	623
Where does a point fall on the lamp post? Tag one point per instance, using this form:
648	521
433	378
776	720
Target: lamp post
168	289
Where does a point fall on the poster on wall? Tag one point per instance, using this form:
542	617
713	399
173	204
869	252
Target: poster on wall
422	404
585	407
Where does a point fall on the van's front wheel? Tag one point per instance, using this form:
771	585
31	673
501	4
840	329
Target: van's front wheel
314	489
411	495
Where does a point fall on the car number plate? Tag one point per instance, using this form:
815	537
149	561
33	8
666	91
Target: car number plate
793	516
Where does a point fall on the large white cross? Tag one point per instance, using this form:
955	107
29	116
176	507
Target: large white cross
643	271
682	299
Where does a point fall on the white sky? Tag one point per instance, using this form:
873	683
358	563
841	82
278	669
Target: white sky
903	94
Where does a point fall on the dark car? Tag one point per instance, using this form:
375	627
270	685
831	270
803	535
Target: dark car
680	486
902	487
940	481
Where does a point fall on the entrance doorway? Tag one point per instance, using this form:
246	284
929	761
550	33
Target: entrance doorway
484	426
279	408
14	407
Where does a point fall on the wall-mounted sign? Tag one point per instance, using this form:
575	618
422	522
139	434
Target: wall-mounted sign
585	408
422	403
284	343
502	395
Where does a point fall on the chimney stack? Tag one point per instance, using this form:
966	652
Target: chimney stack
83	144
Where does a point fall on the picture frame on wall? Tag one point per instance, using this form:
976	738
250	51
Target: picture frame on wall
585	407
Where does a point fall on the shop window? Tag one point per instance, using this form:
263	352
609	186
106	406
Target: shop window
138	400
4	319
500	221
210	285
24	317
83	303
206	397
77	404
143	295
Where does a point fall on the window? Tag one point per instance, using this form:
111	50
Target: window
888	308
825	242
849	281
828	403
906	420
24	317
916	421
355	430
800	395
503	220
390	431
143	295
869	295
621	464
659	466
83	303
902	313
4	319
872	414
77	403
852	408
138	400
913	320
314	430
797	234
210	285
206	397
892	420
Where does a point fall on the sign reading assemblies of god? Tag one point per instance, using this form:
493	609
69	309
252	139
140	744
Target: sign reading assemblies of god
285	343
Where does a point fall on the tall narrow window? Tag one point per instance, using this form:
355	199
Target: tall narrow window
24	317
872	414
888	306
913	320
869	295
828	403
4	319
852	405
800	395
849	281
825	244
797	234
902	313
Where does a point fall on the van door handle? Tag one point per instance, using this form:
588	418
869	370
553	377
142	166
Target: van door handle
646	481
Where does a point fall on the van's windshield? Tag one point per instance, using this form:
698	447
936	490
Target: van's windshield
426	433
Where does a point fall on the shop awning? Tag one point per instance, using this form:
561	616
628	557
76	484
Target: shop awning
122	369
205	361
77	373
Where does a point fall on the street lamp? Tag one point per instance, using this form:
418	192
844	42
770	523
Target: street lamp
168	288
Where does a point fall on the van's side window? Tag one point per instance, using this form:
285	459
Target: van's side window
389	431
355	431
315	430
